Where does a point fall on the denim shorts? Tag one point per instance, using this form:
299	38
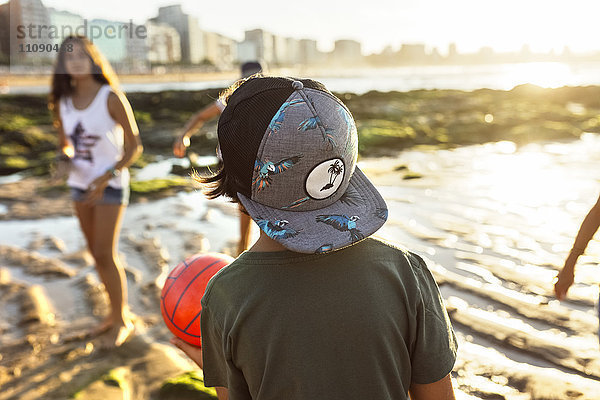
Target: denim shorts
111	195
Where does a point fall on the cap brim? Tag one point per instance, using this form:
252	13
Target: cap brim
359	213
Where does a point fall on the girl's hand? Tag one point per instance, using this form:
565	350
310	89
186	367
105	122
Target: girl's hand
180	145
193	352
96	189
566	276
564	280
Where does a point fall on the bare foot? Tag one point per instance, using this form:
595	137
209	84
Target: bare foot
101	328
108	323
117	335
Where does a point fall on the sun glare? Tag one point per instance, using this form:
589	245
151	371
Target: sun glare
544	74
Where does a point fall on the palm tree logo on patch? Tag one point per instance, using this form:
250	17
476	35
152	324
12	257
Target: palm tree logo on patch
334	170
325	178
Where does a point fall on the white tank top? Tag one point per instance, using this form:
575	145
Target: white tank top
96	138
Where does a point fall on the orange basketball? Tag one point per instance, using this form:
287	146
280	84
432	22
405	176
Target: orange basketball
183	290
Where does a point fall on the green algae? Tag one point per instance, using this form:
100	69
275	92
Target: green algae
189	386
160	187
386	122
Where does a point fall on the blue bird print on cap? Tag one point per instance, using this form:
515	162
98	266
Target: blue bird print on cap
277	121
266	169
309	123
314	122
297	203
343	223
324	249
276	229
351	197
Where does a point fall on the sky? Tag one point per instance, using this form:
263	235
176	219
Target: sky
503	25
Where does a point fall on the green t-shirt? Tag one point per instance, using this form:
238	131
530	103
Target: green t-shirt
359	323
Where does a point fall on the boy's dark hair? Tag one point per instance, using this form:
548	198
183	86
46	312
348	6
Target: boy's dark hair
251	105
250	68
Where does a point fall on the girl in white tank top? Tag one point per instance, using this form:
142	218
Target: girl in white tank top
99	137
97	141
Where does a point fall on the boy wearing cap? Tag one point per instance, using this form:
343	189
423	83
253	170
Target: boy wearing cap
316	309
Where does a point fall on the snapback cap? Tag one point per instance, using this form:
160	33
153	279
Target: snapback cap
291	148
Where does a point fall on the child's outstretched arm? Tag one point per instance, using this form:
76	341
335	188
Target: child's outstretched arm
588	228
194	123
195	354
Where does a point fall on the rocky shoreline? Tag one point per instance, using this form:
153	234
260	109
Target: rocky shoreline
387	122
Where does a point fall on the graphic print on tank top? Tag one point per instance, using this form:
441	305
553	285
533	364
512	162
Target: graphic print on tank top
83	143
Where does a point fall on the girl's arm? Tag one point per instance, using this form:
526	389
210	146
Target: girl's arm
120	110
194	123
588	228
63	143
61	166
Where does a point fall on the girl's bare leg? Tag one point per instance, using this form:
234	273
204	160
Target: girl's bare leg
107	226
85	214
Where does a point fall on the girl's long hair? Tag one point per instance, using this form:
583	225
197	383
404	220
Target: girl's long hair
62	85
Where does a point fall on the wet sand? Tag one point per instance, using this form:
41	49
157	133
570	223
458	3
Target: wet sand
494	223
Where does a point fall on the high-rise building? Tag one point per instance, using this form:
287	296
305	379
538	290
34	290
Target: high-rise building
29	28
123	44
412	53
247	51
4	33
164	45
112	45
192	48
280	51
263	42
219	50
136	48
293	49
309	54
66	24
348	52
452	52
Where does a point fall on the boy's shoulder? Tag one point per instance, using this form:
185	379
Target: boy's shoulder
386	247
249	267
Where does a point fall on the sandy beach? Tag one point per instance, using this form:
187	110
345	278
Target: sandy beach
493	221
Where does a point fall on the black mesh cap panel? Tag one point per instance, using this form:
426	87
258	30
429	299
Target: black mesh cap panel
245	120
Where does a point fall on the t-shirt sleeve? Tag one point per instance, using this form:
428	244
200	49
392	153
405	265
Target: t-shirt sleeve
435	346
214	350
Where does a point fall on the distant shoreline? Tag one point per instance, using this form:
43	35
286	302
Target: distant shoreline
41	80
352	79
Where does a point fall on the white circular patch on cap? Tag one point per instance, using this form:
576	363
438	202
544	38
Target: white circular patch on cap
325	179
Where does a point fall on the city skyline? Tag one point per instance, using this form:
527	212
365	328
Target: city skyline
173	37
470	24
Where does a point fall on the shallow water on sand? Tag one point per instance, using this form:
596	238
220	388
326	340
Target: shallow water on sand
493	221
